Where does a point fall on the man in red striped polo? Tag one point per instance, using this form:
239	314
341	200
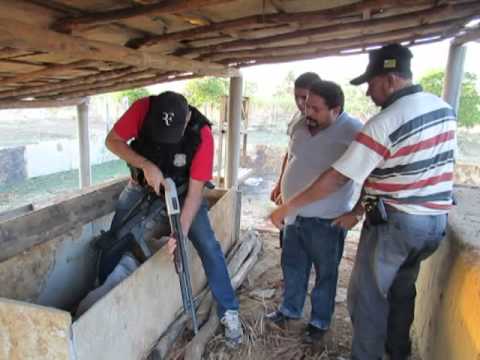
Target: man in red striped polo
404	157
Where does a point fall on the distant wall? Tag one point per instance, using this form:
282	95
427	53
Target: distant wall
13	165
47	157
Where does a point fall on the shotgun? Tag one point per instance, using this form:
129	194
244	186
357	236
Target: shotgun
180	255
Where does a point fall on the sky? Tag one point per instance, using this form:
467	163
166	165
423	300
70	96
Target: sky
341	69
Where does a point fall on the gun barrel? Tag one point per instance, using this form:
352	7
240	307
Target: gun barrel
181	256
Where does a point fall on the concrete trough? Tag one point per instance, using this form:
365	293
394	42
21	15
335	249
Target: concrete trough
47	267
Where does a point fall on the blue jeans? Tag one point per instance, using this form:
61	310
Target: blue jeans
311	241
381	295
203	238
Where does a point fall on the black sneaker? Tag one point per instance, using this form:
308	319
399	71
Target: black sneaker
277	318
313	335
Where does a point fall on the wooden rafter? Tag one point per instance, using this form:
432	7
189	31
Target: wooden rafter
84	80
310	17
113	81
23	36
26	104
470	35
57	6
47	71
322	53
337	43
164	7
102	89
423	17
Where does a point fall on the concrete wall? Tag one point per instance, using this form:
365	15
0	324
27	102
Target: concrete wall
57	271
47	157
447	314
13	165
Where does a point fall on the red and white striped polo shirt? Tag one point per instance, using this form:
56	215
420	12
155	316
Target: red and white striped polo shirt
406	154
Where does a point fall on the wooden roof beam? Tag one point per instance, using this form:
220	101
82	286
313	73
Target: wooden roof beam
67	84
19	35
163	7
319	54
26	104
114	81
337	43
47	71
427	16
310	17
470	35
102	88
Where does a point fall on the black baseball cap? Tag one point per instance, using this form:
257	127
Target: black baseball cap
390	58
166	118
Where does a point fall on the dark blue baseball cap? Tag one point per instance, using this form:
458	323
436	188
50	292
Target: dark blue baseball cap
390	58
167	117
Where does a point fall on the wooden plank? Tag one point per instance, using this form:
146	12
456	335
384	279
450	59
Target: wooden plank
386	23
37	104
141	308
23	232
311	17
8	53
164	7
118	81
30	13
246	62
85	81
470	35
46	71
20	35
336	43
99	89
14	66
10	214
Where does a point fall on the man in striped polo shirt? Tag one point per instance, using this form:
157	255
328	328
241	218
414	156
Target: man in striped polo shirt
404	158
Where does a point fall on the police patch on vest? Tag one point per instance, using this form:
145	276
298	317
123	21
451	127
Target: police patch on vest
180	160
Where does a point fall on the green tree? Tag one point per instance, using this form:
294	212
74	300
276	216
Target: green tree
132	94
357	103
469	108
207	90
283	103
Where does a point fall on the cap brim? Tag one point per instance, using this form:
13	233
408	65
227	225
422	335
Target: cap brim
361	79
169	135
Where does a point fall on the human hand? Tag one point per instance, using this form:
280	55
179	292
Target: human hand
277	216
347	220
153	176
275	193
171	246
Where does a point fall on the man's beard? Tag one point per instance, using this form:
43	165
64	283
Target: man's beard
311	123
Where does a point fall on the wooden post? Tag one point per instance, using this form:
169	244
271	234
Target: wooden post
452	87
84	146
221	133
234	122
245	118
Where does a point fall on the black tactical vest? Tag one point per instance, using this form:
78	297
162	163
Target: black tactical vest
174	160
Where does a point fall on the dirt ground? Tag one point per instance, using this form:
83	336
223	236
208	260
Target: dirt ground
262	291
264	340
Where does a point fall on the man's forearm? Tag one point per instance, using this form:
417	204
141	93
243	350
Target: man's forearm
120	148
192	204
326	184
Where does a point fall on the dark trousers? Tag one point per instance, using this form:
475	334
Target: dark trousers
381	296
